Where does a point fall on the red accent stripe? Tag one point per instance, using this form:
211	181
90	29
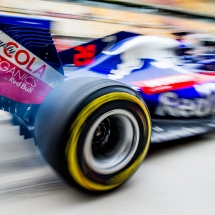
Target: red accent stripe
174	82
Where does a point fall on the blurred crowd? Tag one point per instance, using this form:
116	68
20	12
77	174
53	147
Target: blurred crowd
75	22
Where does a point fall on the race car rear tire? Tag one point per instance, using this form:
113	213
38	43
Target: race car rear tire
94	132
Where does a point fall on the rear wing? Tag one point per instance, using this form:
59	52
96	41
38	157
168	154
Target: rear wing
86	53
34	35
29	63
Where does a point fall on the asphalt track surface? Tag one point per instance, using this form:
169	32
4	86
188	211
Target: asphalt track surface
176	178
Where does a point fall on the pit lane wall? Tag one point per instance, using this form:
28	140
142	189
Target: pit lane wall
76	20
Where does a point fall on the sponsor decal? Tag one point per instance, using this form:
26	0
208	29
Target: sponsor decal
171	104
26	61
17	76
166	83
174	82
19	85
8	47
23	76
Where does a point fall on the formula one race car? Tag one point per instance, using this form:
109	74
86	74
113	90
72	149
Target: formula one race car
91	109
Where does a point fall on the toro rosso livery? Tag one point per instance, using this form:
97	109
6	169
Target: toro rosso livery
94	109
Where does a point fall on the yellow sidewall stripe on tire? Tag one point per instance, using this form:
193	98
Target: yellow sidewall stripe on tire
75	131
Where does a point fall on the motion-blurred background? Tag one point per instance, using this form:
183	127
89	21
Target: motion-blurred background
175	179
77	21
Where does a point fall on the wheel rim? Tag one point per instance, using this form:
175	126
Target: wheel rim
111	141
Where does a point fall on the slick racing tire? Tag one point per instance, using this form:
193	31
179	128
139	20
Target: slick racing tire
94	132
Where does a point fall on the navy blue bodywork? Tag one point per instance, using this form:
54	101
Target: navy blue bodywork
186	111
180	112
35	36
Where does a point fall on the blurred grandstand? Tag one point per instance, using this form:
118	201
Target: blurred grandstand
75	22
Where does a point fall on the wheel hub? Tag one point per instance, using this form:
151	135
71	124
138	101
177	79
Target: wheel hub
111	141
